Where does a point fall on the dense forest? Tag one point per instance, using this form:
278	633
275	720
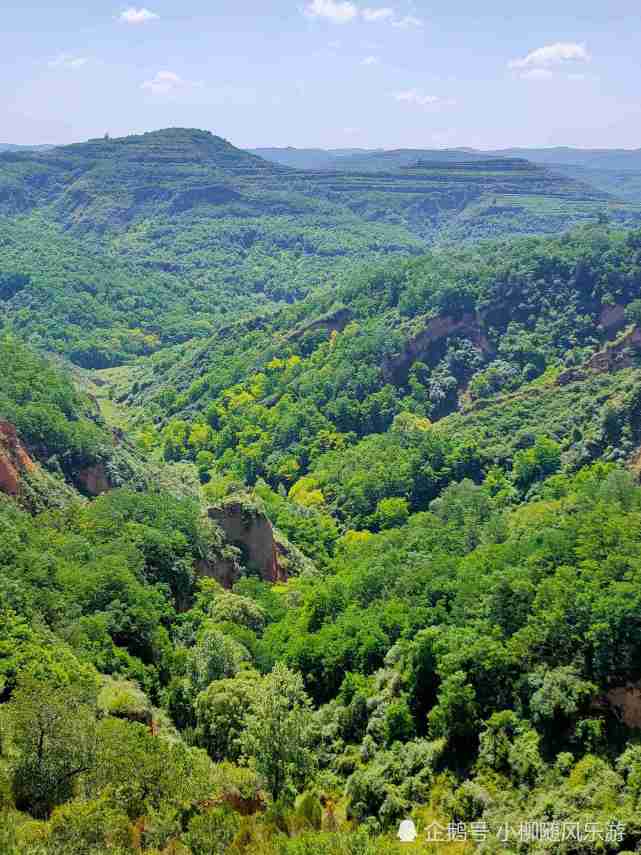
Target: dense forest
118	248
284	568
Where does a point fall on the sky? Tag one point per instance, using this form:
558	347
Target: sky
325	73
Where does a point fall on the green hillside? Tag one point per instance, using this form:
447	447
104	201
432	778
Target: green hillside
319	506
373	555
113	249
418	337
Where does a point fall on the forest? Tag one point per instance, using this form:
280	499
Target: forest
362	548
117	248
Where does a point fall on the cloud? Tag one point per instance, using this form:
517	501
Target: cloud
137	16
537	74
552	55
168	83
339	11
67	60
370	60
373	15
344	12
416	97
408	22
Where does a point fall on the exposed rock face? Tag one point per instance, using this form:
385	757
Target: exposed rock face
14	460
614	356
94	480
436	329
223	570
612	317
627	701
250	530
617	354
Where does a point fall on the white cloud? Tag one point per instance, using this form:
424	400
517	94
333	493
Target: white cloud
370	60
137	16
339	11
373	15
537	74
407	22
344	12
168	83
67	60
551	55
414	96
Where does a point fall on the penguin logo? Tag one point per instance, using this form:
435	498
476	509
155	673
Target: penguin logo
407	831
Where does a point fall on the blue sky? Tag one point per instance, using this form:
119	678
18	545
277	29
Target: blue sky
330	73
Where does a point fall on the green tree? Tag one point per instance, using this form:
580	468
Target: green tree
278	732
54	730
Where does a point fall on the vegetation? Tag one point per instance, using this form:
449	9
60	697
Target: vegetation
438	458
117	248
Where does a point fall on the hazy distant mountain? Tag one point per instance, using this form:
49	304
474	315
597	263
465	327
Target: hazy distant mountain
307	158
382	160
598	158
12	147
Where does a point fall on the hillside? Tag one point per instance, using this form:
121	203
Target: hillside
616	172
418	336
385	159
372	555
113	249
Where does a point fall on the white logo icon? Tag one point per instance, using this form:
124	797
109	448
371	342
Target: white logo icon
407	831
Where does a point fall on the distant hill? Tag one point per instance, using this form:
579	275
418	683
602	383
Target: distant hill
613	171
115	248
380	159
307	158
12	147
593	158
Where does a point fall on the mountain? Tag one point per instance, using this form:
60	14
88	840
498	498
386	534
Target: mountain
115	248
384	159
323	514
607	158
616	172
307	158
12	147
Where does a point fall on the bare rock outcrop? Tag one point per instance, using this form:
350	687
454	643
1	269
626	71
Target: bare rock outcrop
395	368
14	460
226	571
94	480
626	700
615	355
248	528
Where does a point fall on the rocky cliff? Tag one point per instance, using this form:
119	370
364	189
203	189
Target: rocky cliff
435	330
248	528
257	545
14	460
617	354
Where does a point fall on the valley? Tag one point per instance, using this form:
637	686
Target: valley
319	499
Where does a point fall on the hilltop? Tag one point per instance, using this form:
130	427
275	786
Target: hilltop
116	248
